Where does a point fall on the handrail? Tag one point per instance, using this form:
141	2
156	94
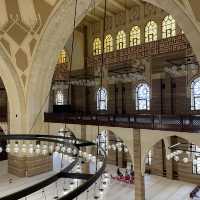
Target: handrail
183	123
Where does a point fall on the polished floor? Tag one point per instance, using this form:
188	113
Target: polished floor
157	188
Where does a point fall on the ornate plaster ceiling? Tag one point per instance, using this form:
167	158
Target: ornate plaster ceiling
21	24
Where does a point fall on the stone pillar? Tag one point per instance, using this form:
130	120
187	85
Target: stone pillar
170	164
139	178
83	134
169	169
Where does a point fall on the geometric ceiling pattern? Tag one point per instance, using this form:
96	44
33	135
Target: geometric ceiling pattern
21	24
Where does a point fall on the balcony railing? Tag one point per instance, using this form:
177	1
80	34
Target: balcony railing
181	123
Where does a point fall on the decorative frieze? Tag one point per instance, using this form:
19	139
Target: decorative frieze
169	45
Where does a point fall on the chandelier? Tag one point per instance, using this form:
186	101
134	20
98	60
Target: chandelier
183	152
71	149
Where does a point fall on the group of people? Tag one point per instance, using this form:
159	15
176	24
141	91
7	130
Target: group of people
127	177
127	173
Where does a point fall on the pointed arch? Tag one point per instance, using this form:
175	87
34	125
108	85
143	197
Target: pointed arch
58	31
135	37
151	31
108	43
59	97
15	94
102	99
121	40
195	94
96	47
142	96
168	27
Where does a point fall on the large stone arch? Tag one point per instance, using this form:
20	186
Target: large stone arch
155	136
56	34
15	94
58	31
125	134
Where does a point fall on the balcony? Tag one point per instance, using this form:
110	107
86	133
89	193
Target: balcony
180	123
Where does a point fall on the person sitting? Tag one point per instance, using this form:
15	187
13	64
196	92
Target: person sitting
131	171
119	172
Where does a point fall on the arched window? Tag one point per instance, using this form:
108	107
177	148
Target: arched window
108	44
59	98
135	36
102	99
121	40
196	159
195	94
103	141
62	58
151	31
97	47
148	160
143	97
168	27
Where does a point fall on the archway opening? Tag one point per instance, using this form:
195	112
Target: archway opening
3	103
3	143
118	156
180	171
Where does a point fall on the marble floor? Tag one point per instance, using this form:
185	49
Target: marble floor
157	188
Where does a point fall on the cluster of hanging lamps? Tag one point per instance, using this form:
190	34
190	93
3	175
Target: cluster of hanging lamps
118	147
179	155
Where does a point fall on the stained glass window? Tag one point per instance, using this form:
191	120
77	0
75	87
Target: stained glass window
97	47
151	31
168	27
102	98
135	36
143	97
62	58
195	94
108	44
59	98
121	40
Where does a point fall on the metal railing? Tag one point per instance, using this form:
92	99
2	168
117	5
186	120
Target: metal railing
186	123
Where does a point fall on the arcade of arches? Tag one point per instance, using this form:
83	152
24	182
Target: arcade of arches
127	78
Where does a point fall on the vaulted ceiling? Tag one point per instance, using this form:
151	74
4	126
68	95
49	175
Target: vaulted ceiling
21	24
23	21
113	8
190	7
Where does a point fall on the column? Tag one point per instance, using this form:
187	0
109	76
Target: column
169	163
83	134
139	178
